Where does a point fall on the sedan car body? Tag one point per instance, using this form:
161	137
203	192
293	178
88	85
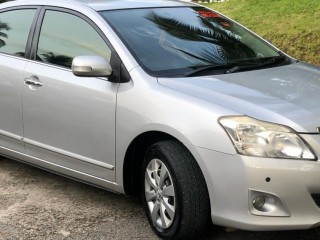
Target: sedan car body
164	98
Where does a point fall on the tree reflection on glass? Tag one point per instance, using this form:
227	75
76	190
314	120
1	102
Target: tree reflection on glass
3	27
60	60
221	45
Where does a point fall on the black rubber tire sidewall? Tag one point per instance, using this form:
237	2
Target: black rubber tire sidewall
175	157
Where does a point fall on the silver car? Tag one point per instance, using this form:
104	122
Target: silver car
167	99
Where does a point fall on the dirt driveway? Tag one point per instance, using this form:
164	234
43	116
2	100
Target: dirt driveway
35	204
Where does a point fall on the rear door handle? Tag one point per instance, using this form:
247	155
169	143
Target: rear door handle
33	81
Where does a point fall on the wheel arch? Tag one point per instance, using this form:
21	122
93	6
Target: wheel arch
134	158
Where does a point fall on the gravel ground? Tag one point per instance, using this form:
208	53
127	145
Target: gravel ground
35	204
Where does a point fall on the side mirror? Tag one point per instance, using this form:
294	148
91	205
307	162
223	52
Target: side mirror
91	66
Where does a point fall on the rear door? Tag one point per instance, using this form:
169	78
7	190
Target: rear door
69	121
15	27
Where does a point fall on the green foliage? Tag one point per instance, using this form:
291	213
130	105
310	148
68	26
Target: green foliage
291	25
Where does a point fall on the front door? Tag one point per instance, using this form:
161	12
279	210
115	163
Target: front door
69	121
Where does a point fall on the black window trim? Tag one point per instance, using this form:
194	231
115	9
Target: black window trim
31	30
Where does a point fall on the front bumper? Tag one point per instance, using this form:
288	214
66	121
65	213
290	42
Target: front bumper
231	179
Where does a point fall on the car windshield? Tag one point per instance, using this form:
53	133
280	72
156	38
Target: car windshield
176	40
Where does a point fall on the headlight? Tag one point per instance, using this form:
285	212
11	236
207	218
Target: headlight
252	137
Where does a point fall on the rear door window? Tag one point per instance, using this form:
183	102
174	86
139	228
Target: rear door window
15	26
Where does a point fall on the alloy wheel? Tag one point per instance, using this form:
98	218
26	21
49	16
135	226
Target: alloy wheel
160	194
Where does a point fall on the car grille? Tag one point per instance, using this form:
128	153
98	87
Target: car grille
316	199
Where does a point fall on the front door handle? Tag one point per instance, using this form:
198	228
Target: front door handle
33	81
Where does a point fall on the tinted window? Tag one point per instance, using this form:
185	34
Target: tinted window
175	40
14	30
64	36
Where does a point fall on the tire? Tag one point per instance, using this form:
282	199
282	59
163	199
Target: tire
174	192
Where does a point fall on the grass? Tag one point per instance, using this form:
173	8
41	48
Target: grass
291	25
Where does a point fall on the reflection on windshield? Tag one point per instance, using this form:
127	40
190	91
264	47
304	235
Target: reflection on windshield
225	44
177	40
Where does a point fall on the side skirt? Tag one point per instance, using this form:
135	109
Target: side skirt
60	170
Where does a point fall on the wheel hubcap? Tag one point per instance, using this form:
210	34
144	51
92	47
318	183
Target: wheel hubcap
159	193
159	196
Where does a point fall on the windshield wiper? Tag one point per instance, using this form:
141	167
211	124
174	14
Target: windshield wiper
219	67
270	61
236	66
209	67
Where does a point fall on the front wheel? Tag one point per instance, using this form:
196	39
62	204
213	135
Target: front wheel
175	195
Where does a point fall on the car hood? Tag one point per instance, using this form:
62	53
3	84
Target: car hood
288	95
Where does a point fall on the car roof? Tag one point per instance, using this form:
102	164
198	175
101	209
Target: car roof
100	5
122	4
